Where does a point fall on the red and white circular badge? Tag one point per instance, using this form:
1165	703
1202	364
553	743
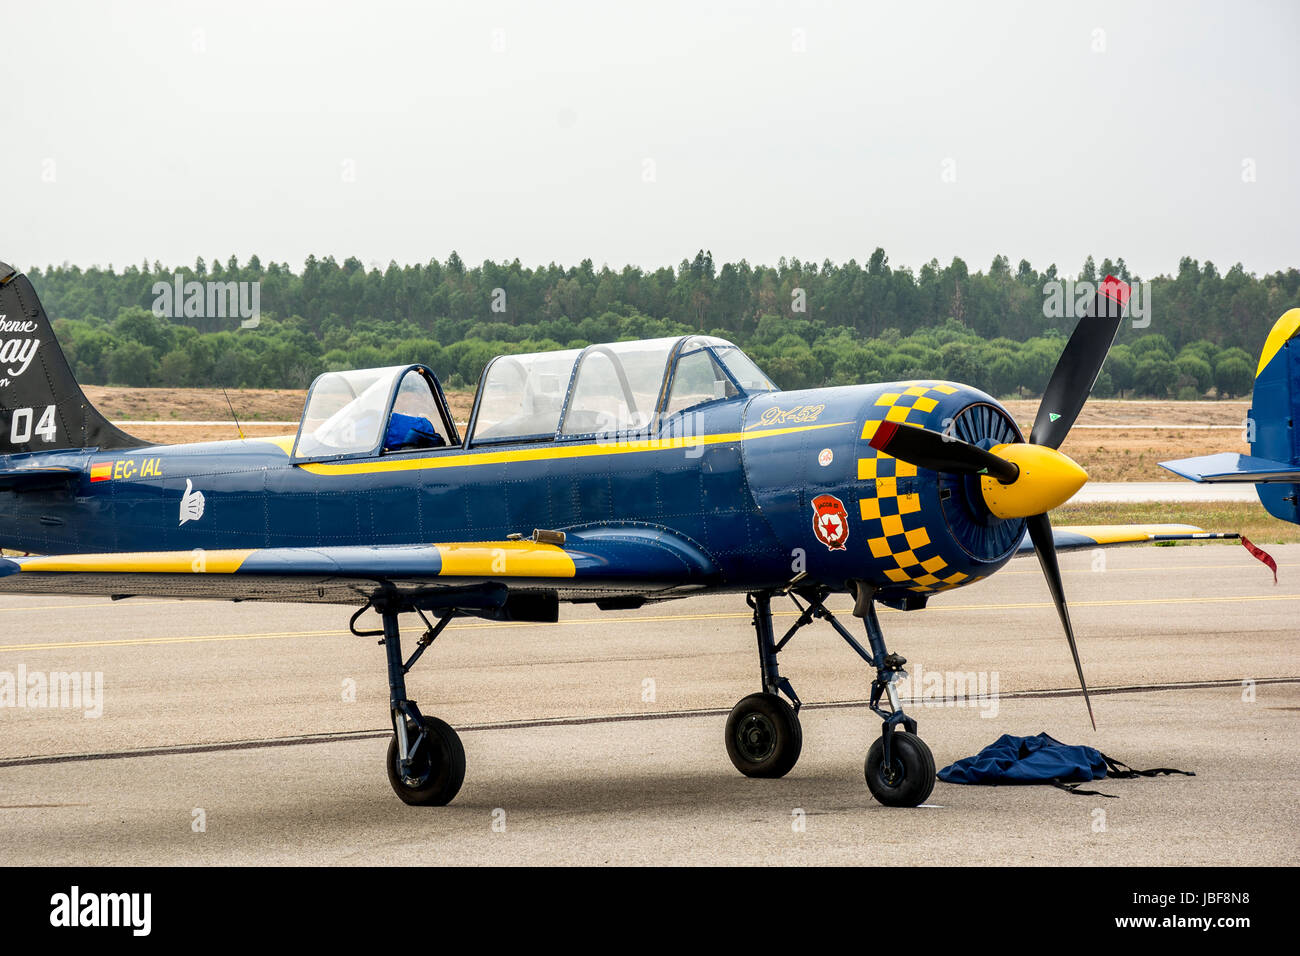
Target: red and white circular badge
830	522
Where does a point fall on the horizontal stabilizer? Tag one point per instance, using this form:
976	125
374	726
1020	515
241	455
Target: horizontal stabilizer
1228	467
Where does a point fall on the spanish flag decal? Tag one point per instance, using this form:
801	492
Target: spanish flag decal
101	471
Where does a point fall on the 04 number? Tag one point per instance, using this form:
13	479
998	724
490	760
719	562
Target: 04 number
21	430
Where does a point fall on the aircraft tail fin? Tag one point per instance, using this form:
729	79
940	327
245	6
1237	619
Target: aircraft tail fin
42	408
1275	408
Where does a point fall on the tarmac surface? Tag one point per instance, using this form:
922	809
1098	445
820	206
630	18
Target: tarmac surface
256	734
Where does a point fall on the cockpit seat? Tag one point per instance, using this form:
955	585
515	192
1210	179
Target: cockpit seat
411	431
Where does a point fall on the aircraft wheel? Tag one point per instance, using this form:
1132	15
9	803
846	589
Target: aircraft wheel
763	736
909	778
438	769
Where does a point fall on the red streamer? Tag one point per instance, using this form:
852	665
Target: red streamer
1261	555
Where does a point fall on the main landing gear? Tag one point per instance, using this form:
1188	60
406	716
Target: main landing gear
426	761
763	735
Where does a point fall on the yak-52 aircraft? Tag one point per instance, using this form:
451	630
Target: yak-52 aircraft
616	474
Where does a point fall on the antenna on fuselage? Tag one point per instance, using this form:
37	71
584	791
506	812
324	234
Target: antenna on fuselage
232	413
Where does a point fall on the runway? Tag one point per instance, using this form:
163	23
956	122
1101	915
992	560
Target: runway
256	733
1106	492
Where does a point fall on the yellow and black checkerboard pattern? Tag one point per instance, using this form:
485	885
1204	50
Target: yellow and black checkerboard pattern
895	526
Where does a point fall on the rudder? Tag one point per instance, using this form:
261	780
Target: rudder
42	408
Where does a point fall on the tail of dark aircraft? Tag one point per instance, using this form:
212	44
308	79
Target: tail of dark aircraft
1274	410
42	408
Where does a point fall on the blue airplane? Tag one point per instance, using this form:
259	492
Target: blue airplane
616	474
1273	465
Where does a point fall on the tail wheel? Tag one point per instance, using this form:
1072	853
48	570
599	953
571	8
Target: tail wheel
909	778
763	736
437	767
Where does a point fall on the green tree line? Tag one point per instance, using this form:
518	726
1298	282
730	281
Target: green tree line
807	324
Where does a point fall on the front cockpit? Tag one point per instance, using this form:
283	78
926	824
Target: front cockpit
620	388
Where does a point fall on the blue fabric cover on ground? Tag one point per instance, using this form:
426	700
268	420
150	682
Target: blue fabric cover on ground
1039	759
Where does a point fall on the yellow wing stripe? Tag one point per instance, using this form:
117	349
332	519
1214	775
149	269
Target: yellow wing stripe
515	559
553	453
1125	533
143	562
519	559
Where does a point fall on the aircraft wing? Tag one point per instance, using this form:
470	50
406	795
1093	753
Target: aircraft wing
1228	467
1085	537
594	564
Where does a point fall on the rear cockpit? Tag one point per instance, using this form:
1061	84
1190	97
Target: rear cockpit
374	411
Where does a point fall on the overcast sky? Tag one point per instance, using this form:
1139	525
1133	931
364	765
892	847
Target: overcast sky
641	132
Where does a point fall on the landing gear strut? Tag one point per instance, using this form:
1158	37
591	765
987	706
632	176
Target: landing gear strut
426	761
763	735
899	767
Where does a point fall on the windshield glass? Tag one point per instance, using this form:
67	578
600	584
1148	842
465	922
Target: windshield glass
749	375
345	412
522	395
698	381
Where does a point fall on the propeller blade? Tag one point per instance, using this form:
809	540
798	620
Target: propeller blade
1079	365
1040	532
927	449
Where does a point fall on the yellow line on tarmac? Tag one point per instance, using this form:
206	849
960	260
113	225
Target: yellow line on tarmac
195	639
1226	599
644	619
67	607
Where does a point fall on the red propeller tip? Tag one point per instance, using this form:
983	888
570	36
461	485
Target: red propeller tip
1115	290
883	436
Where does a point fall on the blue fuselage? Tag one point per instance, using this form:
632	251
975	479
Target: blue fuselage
769	487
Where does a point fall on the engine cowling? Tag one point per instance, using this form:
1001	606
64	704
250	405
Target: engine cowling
846	512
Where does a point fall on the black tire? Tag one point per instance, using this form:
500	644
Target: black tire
909	779
438	769
763	736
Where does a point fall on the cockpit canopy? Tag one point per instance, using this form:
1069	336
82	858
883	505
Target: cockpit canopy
621	387
608	388
348	413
